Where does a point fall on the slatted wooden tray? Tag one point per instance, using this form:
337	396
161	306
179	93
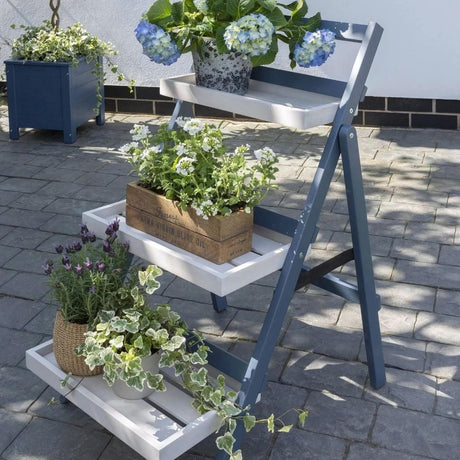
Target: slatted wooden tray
160	427
265	101
269	250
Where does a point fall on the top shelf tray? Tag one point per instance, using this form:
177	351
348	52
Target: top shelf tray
265	101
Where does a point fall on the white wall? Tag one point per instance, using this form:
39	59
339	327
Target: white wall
419	54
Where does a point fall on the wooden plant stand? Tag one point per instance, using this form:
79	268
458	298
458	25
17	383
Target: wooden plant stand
279	243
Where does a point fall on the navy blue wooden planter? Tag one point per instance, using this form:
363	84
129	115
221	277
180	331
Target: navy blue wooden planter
51	95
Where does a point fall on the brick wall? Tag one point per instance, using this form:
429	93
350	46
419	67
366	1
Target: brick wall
373	111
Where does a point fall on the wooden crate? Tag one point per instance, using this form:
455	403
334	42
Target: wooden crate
218	239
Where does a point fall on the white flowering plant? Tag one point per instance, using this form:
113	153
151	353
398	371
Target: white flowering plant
192	166
251	27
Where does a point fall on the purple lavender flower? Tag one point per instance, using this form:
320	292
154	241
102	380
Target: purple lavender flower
77	246
48	267
78	269
113	227
91	237
92	289
100	266
88	264
84	238
68	267
58	248
65	260
69	248
83	229
107	247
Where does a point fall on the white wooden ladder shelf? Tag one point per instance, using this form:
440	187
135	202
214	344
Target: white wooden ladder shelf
279	243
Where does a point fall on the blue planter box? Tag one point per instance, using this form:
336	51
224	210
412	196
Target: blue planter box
51	95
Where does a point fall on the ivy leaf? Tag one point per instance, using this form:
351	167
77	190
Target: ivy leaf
199	377
249	422
229	409
155	381
176	342
231	425
225	443
236	455
139	342
117	342
285	429
199	357
302	416
271	424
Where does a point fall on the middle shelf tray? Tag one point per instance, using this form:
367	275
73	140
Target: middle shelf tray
269	250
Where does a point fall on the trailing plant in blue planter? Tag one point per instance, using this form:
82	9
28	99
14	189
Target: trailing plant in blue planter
55	79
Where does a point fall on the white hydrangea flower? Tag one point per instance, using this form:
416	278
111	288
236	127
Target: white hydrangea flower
140	132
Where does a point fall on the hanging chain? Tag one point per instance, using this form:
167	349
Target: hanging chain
55	16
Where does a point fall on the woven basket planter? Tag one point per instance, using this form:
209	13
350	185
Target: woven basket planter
66	337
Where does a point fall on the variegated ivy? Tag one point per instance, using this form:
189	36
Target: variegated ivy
49	44
122	338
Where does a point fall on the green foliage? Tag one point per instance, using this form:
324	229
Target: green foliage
191	165
122	338
187	24
88	276
48	44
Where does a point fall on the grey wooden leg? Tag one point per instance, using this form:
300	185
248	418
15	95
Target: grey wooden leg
363	259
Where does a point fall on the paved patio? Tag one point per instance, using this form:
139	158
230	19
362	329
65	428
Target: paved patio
412	181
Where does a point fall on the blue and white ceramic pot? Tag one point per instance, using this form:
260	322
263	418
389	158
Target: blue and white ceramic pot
229	72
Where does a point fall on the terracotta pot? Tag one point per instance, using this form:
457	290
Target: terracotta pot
66	337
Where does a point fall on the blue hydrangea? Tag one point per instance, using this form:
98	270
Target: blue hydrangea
250	35
315	48
156	43
201	5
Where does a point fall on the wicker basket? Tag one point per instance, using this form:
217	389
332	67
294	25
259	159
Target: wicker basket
66	337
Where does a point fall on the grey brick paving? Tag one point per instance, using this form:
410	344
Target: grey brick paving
416	433
412	183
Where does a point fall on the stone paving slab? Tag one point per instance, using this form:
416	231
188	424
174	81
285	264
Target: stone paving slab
412	183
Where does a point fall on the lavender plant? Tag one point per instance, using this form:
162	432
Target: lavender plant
252	27
192	166
89	275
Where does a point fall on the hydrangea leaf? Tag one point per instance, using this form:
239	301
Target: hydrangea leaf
161	9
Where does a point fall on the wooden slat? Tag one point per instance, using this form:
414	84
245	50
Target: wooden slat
144	428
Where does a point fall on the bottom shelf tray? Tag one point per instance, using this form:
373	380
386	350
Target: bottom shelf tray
269	250
159	427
